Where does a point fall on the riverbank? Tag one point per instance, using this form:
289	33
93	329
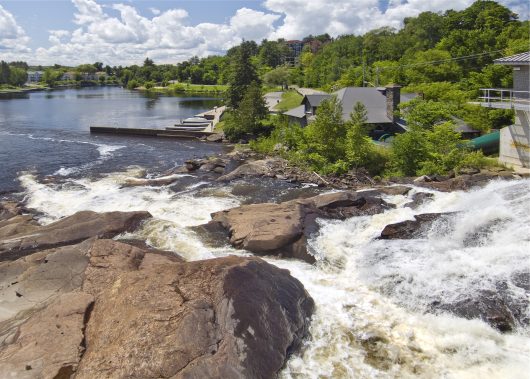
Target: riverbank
35	88
187	88
23	89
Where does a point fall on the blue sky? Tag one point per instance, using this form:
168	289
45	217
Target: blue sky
125	31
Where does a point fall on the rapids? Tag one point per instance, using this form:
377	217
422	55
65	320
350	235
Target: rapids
373	318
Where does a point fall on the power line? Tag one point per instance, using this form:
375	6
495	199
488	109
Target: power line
442	60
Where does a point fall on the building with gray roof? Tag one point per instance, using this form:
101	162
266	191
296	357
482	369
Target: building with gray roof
381	106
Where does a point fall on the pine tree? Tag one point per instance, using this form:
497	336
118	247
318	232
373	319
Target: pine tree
358	144
247	119
242	75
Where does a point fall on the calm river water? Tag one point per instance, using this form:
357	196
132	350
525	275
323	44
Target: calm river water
48	132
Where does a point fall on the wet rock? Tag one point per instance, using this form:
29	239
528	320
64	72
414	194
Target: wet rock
156	182
256	168
213	164
9	209
419	199
283	229
395	190
411	228
192	165
466	182
70	230
488	306
468	171
217	137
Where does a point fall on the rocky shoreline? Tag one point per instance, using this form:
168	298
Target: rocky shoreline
73	300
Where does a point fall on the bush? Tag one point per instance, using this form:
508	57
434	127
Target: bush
436	151
132	84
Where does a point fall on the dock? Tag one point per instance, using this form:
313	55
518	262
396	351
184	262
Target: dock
149	132
213	115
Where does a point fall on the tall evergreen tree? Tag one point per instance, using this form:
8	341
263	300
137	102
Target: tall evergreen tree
243	74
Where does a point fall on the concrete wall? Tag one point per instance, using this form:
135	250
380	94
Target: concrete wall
521	80
515	142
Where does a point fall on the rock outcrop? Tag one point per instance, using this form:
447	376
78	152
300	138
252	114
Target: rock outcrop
129	312
70	230
411	228
283	229
467	180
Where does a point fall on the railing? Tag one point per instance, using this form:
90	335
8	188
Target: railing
505	98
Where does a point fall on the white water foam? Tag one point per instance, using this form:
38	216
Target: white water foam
372	296
172	212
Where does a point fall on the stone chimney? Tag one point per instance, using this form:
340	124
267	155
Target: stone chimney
393	97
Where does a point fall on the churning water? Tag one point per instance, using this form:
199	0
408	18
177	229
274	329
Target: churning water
374	317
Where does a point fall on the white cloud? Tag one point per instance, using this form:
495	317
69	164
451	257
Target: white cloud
13	39
252	24
168	37
130	37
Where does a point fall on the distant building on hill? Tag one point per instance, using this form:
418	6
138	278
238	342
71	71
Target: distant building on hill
381	106
34	76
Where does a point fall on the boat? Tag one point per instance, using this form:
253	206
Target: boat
191	123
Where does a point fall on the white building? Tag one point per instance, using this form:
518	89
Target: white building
514	148
34	76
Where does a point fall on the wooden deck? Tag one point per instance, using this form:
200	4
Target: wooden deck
146	132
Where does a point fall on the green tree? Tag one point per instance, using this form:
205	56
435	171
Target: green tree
425	114
358	144
433	66
278	77
408	151
324	137
51	76
243	74
5	72
445	150
86	68
17	76
247	119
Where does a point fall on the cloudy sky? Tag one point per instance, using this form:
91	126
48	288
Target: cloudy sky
168	31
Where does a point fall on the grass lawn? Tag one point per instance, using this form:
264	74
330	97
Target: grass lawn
290	99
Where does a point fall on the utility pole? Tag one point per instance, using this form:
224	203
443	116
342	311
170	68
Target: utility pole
363	73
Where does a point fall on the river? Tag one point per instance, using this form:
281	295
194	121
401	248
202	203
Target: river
373	297
48	132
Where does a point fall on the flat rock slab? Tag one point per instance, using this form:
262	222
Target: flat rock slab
70	230
49	344
146	314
